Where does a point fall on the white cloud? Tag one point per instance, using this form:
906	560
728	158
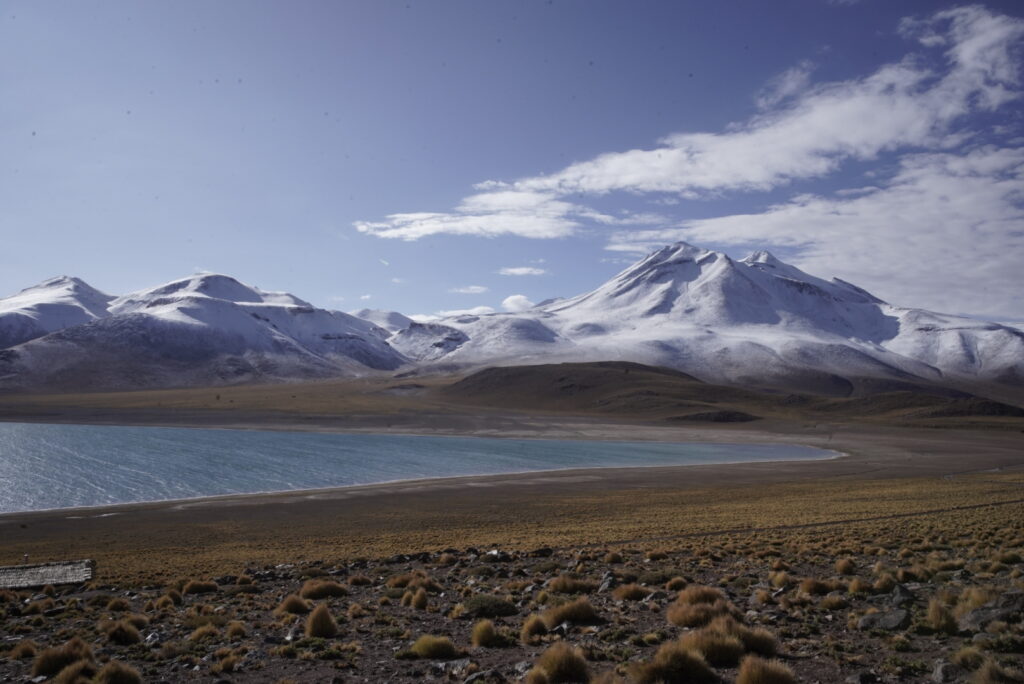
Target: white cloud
945	233
469	289
521	271
803	131
475	311
789	83
365	297
516	303
398	281
901	105
487	214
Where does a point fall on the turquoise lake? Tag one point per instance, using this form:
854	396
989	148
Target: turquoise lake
62	466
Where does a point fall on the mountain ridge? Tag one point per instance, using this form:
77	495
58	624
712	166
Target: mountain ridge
756	322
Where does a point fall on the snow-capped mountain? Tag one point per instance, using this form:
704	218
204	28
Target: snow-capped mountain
391	321
51	305
205	329
755	322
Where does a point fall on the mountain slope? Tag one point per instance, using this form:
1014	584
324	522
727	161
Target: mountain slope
206	329
755	322
51	305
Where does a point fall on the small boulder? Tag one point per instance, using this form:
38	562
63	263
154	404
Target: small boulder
893	620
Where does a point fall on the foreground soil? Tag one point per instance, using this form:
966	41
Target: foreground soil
899	561
914	579
896	562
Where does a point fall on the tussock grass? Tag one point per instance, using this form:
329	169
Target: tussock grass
816	587
359	581
26	648
320	623
563	663
199	587
121	632
533	628
697	614
673	663
485	635
51	661
117	605
236	630
940	618
700	594
569	584
488	606
578	612
434	648
630	592
204	633
293	605
76	673
845	566
717	648
859	586
833	602
321	589
116	672
992	672
413	580
419	599
676	584
755	670
968	657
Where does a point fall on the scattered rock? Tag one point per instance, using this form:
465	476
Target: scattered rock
893	620
946	672
901	595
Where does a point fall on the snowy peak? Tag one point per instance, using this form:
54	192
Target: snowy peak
205	285
52	305
62	289
391	321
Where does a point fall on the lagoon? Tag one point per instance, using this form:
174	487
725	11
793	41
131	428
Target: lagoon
62	466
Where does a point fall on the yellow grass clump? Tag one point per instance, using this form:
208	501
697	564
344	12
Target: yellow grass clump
320	623
434	647
578	612
673	663
51	661
115	672
755	670
320	589
563	663
485	635
533	628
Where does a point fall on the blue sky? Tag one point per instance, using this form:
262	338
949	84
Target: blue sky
439	156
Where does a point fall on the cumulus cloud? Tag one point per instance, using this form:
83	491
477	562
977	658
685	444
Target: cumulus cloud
945	233
521	271
469	289
516	303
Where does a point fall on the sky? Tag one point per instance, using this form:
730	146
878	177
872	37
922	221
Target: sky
430	157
